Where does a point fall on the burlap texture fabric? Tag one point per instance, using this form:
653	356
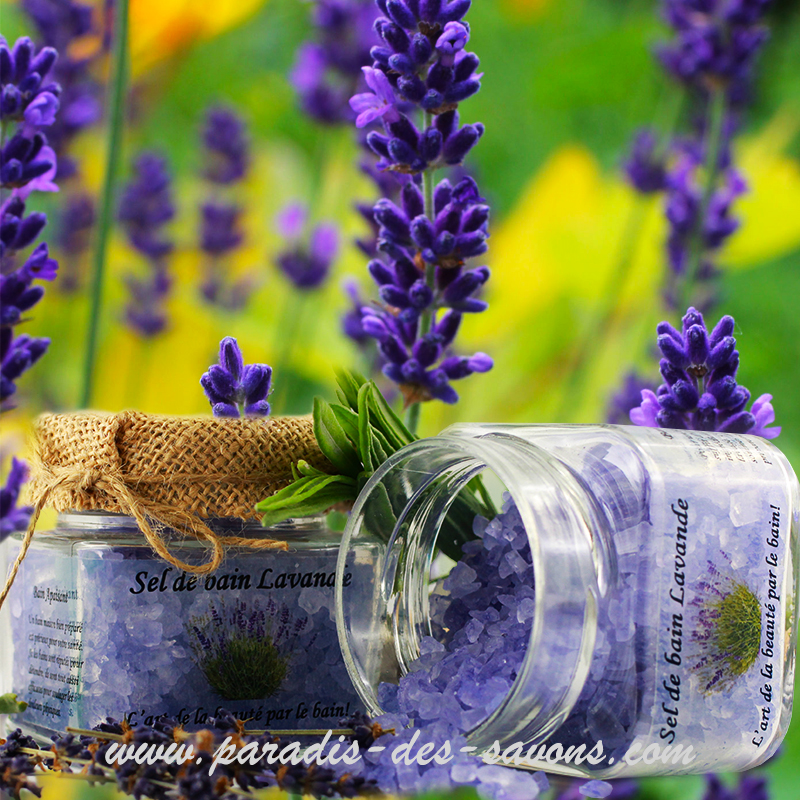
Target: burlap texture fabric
207	466
168	473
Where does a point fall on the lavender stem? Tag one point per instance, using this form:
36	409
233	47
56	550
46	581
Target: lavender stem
716	120
427	318
116	100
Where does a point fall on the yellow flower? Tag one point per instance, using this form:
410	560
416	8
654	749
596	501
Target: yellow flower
160	29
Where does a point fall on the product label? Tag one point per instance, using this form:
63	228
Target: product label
722	520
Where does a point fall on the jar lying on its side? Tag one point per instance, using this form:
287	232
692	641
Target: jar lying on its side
664	570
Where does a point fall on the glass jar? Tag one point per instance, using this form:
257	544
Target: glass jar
664	565
100	626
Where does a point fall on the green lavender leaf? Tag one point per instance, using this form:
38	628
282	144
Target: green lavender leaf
333	440
10	705
349	383
364	434
307	497
348	420
387	421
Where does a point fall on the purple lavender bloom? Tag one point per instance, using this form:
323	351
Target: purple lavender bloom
458	230
423	58
715	43
376	104
411	360
18	294
60	23
328	71
306	265
17	231
406	149
352	319
227	159
25	93
422	252
628	397
146	207
27	164
684	208
17	356
645	167
235	389
226	144
13	517
700	390
145	312
220	232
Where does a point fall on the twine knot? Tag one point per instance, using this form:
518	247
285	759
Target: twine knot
170	474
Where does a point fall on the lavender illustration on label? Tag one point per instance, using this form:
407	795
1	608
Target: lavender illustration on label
244	650
727	630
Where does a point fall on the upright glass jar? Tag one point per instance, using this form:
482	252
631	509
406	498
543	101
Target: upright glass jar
159	594
100	626
664	565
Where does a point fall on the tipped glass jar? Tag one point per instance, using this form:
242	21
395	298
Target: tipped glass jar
658	577
100	626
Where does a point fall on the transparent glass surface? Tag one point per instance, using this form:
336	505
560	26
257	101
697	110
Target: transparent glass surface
665	572
100	626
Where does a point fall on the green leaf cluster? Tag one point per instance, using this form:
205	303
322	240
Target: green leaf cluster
356	435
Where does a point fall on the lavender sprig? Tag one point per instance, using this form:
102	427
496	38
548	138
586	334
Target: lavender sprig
13	517
60	25
227	159
712	54
235	389
422	67
66	25
700	390
327	70
146	207
29	102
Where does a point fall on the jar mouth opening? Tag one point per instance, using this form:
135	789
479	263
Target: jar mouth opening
407	503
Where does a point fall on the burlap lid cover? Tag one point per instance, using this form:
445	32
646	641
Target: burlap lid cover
169	473
207	466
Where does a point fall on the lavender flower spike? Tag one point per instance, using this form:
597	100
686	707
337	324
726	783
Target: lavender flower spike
13	517
235	389
226	143
700	390
26	95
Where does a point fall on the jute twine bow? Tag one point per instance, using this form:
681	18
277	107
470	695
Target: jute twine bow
147	467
